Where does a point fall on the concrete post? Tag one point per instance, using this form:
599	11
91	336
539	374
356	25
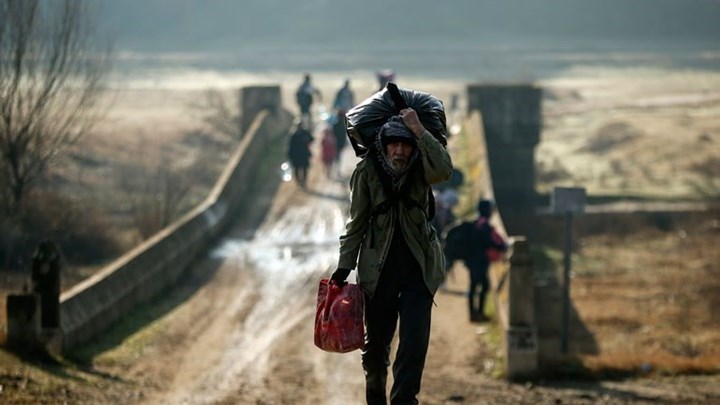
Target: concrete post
548	318
23	318
254	99
521	340
46	266
512	120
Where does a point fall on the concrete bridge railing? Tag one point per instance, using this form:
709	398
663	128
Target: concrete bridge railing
96	303
529	301
511	279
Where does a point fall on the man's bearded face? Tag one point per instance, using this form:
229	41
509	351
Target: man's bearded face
399	154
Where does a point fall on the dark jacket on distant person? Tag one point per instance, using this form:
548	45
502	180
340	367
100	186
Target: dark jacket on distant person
299	147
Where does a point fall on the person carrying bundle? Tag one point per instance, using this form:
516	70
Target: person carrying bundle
388	239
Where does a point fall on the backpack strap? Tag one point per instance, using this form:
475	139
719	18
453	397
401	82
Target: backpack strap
385	207
382	208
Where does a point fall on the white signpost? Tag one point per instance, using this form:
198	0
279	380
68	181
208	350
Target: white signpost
567	201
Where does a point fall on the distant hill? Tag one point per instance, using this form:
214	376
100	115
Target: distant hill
177	25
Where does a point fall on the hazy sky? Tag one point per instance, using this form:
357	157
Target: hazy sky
176	25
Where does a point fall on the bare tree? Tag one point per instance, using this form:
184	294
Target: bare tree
162	198
161	187
218	115
49	87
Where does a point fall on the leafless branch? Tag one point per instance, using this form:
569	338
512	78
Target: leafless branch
219	115
50	83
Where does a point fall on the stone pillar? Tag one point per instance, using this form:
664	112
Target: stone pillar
46	265
23	318
512	118
548	315
521	340
254	99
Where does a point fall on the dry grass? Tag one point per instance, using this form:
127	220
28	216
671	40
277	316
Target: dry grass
645	287
631	133
630	363
650	298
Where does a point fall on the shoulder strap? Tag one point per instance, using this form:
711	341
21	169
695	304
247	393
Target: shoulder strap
431	205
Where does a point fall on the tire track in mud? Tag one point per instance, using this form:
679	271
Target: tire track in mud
258	344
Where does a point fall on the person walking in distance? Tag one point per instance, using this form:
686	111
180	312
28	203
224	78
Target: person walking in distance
299	152
328	146
344	98
384	77
305	96
397	253
339	129
344	101
476	243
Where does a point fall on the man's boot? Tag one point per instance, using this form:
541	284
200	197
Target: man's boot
375	385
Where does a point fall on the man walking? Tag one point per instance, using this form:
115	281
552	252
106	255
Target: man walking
305	96
299	152
398	256
477	243
344	98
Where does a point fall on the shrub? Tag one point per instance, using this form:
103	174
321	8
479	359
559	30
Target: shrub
76	226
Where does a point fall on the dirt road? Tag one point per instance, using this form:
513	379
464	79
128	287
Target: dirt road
255	331
246	335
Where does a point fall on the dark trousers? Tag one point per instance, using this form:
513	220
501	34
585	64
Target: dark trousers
306	115
478	277
301	174
401	293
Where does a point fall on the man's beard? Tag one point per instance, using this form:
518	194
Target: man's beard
398	163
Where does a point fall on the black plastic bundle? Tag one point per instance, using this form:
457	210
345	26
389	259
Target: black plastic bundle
365	119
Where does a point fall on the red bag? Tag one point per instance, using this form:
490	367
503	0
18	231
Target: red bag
339	324
495	252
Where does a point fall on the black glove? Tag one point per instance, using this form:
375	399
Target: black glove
340	275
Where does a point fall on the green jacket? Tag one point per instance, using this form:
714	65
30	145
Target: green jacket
366	240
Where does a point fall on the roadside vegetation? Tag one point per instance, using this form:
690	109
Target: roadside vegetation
51	81
645	285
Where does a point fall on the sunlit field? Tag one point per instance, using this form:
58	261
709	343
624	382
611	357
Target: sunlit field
632	132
